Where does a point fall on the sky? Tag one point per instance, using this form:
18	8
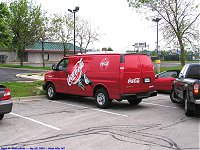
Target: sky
119	25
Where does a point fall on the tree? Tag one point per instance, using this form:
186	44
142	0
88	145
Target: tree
179	19
43	32
85	34
5	33
109	49
24	24
81	28
91	35
62	29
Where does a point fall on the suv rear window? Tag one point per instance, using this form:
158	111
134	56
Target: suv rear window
194	72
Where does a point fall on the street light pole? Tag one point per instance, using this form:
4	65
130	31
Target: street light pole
74	12
74	32
157	20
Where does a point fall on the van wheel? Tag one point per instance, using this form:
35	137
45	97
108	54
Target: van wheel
187	106
51	92
1	116
173	95
134	101
101	99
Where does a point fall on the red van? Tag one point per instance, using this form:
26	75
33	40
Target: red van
103	76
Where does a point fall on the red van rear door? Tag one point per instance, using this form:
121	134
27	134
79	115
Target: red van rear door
148	75
131	77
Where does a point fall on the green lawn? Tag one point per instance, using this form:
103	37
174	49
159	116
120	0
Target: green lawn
22	89
24	67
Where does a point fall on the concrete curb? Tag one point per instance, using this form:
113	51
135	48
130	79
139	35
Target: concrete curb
28	98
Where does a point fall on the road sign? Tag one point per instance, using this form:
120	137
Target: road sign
138	45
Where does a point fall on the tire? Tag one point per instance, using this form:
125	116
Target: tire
102	99
134	101
188	112
51	92
172	96
1	116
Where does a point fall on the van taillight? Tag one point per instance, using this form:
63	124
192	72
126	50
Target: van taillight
196	88
7	94
121	67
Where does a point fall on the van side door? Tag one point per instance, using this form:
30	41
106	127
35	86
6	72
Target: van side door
60	79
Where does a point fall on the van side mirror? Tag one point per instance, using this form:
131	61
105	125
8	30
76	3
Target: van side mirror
156	76
54	67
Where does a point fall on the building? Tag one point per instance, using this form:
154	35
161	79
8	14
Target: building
53	52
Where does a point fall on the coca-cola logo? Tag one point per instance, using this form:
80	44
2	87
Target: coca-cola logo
135	80
104	64
77	71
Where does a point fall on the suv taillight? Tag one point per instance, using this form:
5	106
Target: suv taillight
196	88
7	94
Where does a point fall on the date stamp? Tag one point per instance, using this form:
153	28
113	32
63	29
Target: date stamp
32	148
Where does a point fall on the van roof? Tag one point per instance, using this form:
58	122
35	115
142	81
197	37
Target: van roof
106	53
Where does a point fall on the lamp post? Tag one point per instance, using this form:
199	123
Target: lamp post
157	20
74	12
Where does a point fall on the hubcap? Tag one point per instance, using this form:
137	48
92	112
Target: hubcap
50	91
100	98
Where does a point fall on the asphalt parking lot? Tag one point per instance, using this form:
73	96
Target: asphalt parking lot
75	123
9	74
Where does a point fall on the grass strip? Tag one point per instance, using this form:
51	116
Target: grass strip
25	67
23	89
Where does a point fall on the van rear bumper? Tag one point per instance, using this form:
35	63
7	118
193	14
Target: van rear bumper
139	95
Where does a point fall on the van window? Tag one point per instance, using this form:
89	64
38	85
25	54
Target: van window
63	64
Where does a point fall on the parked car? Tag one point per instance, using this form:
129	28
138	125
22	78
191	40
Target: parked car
5	101
164	80
186	88
104	76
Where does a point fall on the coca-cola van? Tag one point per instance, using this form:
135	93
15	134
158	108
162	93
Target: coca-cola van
103	76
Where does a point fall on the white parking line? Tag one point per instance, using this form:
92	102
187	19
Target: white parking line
92	109
68	104
110	112
35	121
159	105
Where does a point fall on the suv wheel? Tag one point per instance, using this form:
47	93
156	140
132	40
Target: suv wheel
187	105
134	101
101	99
51	92
1	116
173	95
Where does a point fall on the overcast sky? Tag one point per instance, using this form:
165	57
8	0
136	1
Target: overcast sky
120	27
